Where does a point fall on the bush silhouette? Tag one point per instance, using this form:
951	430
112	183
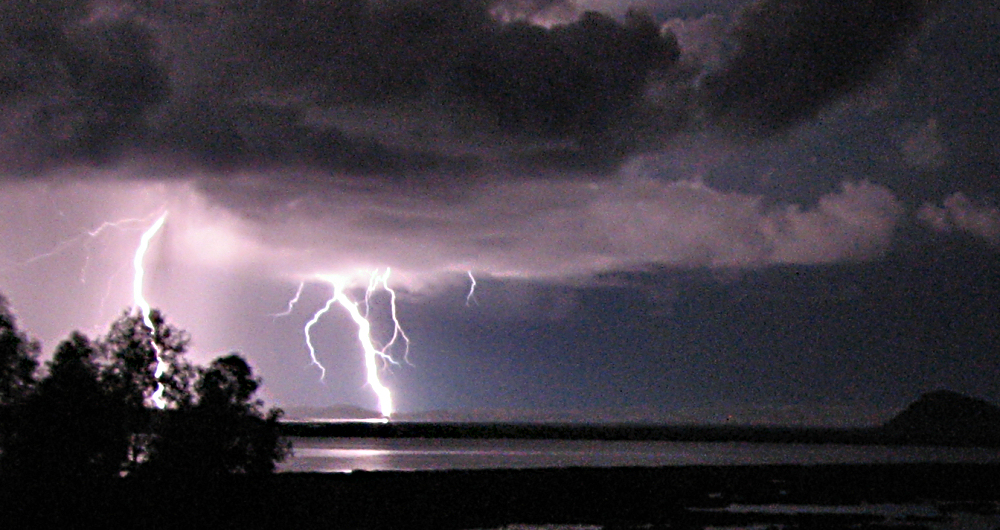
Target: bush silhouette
224	431
92	417
71	428
18	360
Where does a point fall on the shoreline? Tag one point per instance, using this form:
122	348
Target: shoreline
692	496
875	435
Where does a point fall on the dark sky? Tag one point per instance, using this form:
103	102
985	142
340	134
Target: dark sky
779	210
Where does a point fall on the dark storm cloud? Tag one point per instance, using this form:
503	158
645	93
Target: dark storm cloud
250	82
73	91
792	57
339	131
408	87
438	72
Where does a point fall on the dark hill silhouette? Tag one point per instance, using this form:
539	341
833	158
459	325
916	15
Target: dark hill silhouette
331	413
947	417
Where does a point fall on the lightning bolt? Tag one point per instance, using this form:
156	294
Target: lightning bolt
372	354
397	329
81	238
143	306
307	331
471	297
62	246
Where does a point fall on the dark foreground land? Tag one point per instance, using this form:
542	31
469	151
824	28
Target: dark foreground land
671	497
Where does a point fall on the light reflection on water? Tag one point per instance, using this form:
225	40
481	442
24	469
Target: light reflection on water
341	455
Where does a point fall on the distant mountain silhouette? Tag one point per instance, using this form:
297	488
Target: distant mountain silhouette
331	413
947	417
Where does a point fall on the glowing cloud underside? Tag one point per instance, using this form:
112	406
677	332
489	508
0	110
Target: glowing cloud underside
143	306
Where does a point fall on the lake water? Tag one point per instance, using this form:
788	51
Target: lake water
343	455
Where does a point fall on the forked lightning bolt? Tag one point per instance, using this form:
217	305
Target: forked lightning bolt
397	329
372	353
307	331
82	239
143	306
137	263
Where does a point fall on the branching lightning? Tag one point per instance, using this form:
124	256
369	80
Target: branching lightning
63	245
82	237
373	354
307	331
143	306
397	329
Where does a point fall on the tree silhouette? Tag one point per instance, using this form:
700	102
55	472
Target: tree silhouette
18	362
224	431
18	358
71	429
91	418
132	351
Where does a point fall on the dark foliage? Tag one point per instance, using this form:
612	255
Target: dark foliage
96	416
17	359
226	431
71	429
132	351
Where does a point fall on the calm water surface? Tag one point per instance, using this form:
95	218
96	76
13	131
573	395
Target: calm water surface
341	455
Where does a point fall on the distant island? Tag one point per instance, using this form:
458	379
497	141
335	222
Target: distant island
937	418
947	418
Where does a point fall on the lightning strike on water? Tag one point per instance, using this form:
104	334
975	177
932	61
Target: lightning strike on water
143	306
291	303
471	297
372	353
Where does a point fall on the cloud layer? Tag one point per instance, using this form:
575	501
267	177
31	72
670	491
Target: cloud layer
449	135
411	87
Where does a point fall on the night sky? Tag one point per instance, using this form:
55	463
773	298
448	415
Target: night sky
775	210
